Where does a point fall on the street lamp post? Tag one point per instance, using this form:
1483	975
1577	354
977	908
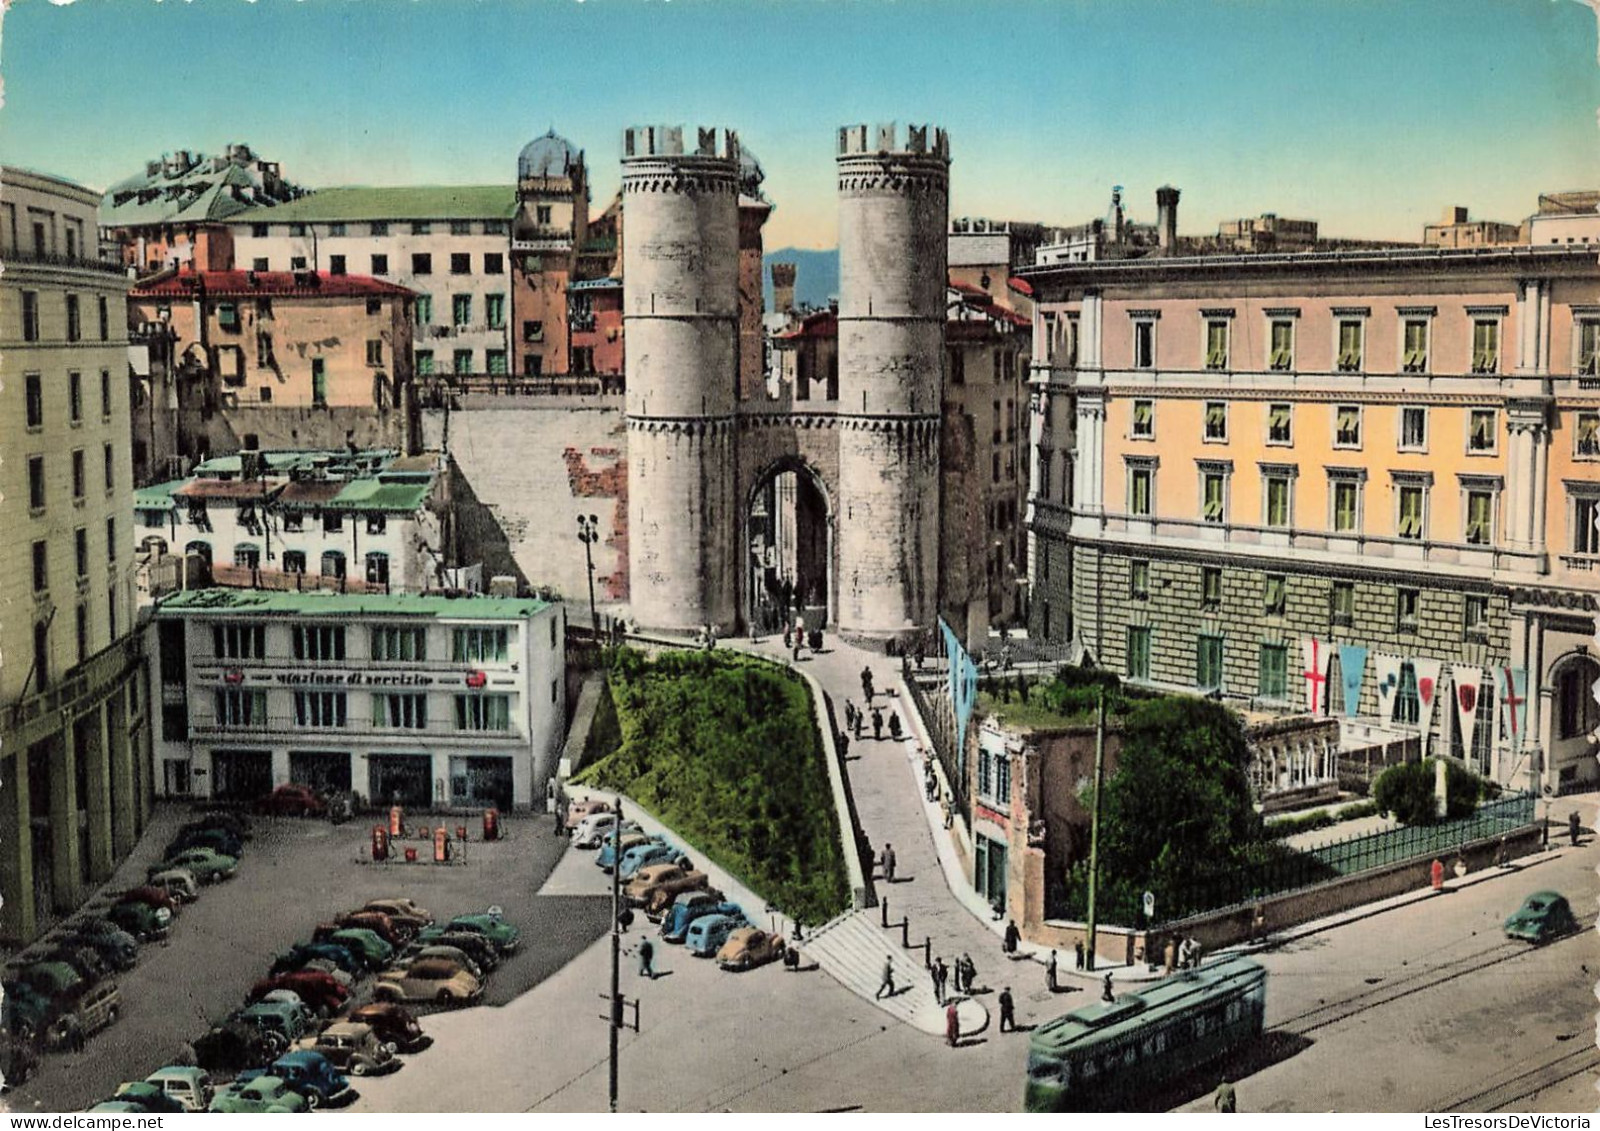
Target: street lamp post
589	534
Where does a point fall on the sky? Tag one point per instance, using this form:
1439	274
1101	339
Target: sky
1370	116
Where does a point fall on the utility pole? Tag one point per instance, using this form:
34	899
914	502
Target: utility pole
1094	822
589	534
616	947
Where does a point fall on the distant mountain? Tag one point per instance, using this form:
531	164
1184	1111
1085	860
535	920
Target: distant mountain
816	277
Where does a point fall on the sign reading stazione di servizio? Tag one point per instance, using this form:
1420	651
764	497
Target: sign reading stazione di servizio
473	680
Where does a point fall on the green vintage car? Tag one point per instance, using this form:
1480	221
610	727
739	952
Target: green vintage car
1543	916
207	864
367	944
263	1094
491	927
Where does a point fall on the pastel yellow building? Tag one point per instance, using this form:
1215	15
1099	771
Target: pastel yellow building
74	744
1361	483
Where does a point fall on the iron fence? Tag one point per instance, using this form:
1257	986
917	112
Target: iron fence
938	717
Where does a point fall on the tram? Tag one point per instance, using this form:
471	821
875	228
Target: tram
1091	1056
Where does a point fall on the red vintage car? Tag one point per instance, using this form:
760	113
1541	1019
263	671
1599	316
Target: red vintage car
318	990
292	801
385	927
151	896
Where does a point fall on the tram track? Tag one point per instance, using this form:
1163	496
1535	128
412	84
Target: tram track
1332	1013
1512	1090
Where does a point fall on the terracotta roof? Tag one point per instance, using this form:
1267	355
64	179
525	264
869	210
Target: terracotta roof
273	283
310	492
1021	286
822	324
247	489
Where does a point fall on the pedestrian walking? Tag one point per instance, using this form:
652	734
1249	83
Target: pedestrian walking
1501	854
1195	952
858	726
1013	936
886	985
949	813
1106	993
866	684
1077	955
795	655
894	733
1258	925
952	1025
877	723
1172	954
1050	974
1225	1100
941	975
1574	827
969	972
1008	1012
849	715
844	745
647	953
786	636
938	990
888	862
930	784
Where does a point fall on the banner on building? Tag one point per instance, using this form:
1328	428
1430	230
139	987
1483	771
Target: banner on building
1469	686
1427	672
1352	667
1511	686
1315	653
962	687
1387	671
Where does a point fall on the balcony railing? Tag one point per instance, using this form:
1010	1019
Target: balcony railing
437	387
294	581
47	259
353	725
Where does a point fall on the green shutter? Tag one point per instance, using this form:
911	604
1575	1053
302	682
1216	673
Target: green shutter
1213	500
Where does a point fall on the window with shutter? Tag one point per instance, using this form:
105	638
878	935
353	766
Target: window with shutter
1139	580
1349	346
1411	503
1279	424
1217	344
1347	433
1216	421
1415	358
1282	355
1588	434
1144	418
1480	517
1277	501
1588	347
1274	672
1344	506
1210	586
1138	652
1485	345
1212	510
1274	597
1586	524
1139	491
1413	429
1482	430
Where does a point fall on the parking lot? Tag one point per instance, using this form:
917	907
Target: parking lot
294	874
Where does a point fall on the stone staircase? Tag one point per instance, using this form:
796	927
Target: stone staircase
852	948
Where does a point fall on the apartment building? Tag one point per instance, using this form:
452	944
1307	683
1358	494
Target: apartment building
74	788
424	701
1360	484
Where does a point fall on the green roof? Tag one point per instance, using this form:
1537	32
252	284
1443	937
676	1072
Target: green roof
157	496
262	603
379	495
419	202
1173	995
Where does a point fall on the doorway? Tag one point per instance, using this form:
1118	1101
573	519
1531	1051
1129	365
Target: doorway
789	546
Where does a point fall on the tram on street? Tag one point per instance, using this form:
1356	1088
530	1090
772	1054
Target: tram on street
1091	1056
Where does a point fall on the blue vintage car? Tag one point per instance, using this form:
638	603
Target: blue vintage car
296	957
1543	916
312	1075
606	858
643	855
675	925
707	933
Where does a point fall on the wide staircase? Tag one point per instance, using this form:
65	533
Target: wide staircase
852	948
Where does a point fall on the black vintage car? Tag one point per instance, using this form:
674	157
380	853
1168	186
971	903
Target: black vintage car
233	1048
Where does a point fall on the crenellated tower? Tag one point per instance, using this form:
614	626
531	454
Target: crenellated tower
893	216
680	316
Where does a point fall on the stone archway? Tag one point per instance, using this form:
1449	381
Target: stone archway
1574	718
788	525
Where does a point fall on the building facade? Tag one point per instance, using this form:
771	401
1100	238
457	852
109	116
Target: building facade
1455	229
226	361
446	243
426	702
1360	484
350	522
74	787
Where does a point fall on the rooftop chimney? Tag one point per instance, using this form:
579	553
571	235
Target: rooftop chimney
1455	214
1167	219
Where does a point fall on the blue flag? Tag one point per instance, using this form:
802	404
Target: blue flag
963	688
1352	666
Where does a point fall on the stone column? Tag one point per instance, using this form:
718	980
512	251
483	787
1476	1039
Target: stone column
89	747
1530	314
64	868
1089	457
124	801
1092	333
18	915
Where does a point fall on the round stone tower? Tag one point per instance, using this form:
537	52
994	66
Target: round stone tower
680	317
893	216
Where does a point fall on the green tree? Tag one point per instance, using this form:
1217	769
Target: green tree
1176	813
1407	792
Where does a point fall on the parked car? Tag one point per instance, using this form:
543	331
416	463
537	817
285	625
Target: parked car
24	1011
236	823
292	800
140	919
402	911
749	947
278	1022
461	958
317	990
189	1086
475	946
232	1047
218	840
85	960
148	1096
379	924
393	1024
706	934
117	949
578	810
323	966
643	855
492	927
122	1106
52	980
589	832
624	843
370	950
261	1094
353	1048
19	1060
433	979
156	897
1543	916
313	1076
207	864
676	922
656	886
83	1012
179	883
296	957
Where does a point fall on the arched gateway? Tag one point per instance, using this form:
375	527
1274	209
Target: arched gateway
730	489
